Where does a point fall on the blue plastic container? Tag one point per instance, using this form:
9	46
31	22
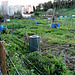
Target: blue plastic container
70	19
36	22
58	26
53	25
57	21
1	28
58	18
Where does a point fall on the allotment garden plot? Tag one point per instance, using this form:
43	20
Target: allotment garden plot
57	41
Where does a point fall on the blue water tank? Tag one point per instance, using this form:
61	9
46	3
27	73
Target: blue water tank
36	22
1	28
53	25
34	43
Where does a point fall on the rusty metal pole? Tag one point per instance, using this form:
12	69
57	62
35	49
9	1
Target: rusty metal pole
3	57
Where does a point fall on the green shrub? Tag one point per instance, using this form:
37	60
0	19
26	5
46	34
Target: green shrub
48	65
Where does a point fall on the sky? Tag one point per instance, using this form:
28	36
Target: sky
26	2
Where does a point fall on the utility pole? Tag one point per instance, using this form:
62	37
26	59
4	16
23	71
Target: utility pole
3	58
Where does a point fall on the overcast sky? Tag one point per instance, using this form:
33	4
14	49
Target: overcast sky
26	2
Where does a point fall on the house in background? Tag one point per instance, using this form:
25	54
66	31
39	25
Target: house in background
29	8
26	10
4	8
15	9
11	10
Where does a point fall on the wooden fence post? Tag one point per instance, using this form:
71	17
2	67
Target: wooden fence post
3	57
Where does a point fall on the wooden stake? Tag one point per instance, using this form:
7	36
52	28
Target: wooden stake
3	57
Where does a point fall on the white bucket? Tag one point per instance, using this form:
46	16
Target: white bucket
61	16
7	19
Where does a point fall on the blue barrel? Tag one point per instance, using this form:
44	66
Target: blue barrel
57	21
58	18
36	22
70	19
34	43
58	26
53	25
1	28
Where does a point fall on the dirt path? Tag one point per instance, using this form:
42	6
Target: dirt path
68	53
